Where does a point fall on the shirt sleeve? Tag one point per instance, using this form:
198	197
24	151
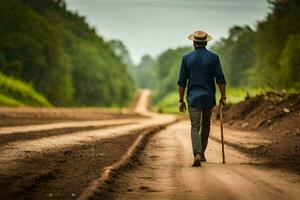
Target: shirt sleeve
183	74
220	79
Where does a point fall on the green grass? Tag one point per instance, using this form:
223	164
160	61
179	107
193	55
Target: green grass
7	101
169	104
14	92
235	95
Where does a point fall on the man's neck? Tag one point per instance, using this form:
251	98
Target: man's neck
199	46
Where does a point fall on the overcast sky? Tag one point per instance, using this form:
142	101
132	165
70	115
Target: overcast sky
152	26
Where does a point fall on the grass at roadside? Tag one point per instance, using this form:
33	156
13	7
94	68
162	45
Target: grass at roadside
14	92
7	101
169	104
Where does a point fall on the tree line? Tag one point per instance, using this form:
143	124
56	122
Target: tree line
267	54
56	52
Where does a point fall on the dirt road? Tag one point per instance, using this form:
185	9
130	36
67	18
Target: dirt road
164	172
58	160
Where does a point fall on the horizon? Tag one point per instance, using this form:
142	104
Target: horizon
170	17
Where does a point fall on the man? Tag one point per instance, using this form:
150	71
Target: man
200	68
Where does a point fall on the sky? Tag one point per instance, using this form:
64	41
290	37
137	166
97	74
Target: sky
152	26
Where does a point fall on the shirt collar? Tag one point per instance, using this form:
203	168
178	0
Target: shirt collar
201	47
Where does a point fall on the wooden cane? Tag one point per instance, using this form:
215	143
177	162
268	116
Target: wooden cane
222	137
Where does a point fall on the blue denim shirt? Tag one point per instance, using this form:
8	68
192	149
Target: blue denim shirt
201	68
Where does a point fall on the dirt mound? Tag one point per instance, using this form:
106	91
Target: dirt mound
277	117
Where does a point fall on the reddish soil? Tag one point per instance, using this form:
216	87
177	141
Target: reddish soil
276	117
31	135
163	171
65	173
29	115
59	162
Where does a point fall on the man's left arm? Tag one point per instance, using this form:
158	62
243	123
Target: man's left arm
182	84
182	106
220	79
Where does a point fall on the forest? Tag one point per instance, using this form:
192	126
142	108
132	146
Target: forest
51	56
253	59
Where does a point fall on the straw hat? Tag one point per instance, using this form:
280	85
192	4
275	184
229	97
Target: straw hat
200	36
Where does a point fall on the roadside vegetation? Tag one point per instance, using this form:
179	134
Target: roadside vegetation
60	55
14	92
169	104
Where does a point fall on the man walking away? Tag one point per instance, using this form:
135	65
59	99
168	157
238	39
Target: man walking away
200	68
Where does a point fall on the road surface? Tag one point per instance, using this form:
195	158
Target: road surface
58	160
164	172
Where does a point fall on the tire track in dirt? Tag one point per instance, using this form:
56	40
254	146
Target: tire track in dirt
11	116
62	125
61	164
31	135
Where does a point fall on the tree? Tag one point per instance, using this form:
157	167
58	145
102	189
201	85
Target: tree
290	63
144	75
236	54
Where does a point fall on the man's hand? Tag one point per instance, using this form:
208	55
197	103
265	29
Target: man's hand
222	101
182	107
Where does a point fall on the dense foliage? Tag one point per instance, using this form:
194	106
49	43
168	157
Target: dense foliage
269	54
251	59
60	55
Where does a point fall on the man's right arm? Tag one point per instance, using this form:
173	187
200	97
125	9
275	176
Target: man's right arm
222	88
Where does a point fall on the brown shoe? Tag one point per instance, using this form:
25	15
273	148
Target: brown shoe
197	162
